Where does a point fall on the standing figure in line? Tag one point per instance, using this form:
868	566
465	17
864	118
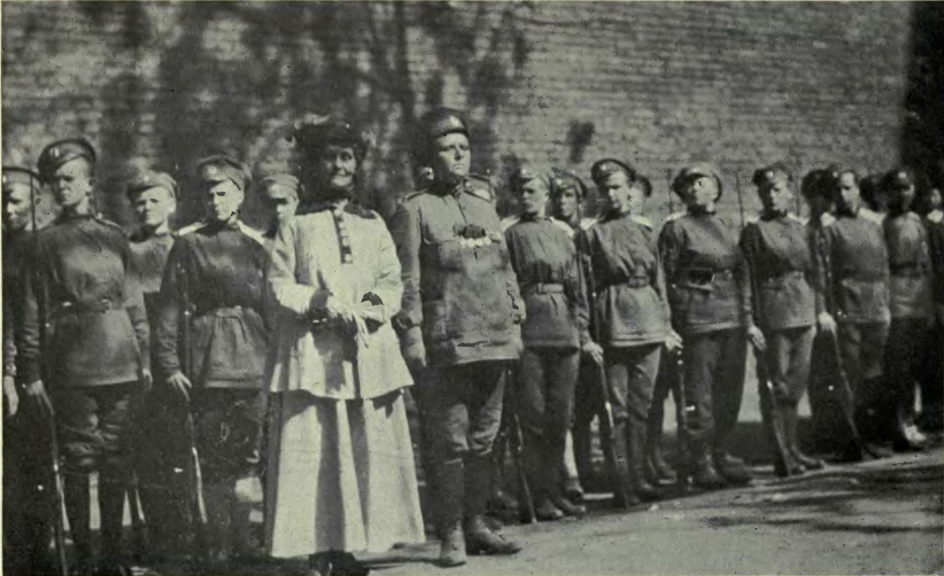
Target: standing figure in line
853	263
910	304
153	199
633	315
786	305
26	470
458	330
932	377
94	360
341	474
710	296
280	196
212	355
544	259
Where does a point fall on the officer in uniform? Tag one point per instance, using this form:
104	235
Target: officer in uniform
458	328
26	511
217	268
159	465
854	265
710	298
785	307
633	315
910	304
96	357
545	261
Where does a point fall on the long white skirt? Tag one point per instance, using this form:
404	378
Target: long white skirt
340	476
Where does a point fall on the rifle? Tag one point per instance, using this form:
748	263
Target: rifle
768	399
59	500
195	503
512	425
607	429
683	472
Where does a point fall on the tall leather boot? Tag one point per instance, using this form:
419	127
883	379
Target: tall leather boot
78	502
657	469
219	499
776	429
479	538
702	469
636	443
790	419
448	490
731	469
111	504
623	494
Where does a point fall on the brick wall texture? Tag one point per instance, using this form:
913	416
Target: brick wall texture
657	84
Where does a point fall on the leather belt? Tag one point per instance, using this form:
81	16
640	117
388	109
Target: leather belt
915	271
542	288
704	276
84	308
779	277
224	312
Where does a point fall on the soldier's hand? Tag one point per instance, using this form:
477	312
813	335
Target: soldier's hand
756	338
36	392
826	322
10	394
180	384
594	351
673	341
146	379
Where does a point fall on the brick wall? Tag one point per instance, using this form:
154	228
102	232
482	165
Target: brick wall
656	83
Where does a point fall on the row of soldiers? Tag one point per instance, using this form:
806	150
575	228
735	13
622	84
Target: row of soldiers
574	315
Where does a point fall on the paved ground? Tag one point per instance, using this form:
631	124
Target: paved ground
883	517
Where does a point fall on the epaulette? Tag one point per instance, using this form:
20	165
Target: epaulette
936	216
251	232
870	215
642	221
412	195
479	187
587	223
793	217
675	216
191	228
563	226
510	221
827	219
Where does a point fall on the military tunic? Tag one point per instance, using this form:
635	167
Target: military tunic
462	305
932	376
785	304
854	264
97	336
544	259
220	270
710	298
911	308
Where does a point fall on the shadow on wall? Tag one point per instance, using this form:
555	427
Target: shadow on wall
234	76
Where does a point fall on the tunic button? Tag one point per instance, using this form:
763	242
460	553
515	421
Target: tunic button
345	241
348	259
340	224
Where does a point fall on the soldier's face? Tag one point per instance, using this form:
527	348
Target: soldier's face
934	199
16	206
154	206
338	165
777	197
703	192
281	203
452	156
223	200
906	197
533	197
618	191
567	204
848	190
72	183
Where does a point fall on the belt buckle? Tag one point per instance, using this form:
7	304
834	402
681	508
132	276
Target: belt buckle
702	277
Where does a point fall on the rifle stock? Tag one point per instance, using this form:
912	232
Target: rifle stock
682	410
516	440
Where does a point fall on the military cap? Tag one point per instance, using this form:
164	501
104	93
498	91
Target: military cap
692	172
820	183
313	133
643	183
220	168
899	179
769	175
525	174
872	190
147	179
20	175
282	179
603	169
62	151
566	180
441	121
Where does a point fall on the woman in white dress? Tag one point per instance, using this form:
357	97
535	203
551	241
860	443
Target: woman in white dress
341	474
